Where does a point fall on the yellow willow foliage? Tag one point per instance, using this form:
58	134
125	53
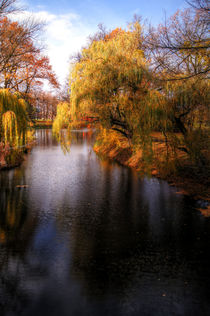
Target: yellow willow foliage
9	123
188	96
61	121
187	102
107	68
62	118
11	103
113	80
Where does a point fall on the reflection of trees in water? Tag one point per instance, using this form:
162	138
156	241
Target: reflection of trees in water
66	138
44	138
125	234
84	136
16	232
106	232
12	216
130	229
12	210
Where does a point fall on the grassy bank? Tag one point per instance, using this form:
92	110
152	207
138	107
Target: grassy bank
177	169
83	124
39	124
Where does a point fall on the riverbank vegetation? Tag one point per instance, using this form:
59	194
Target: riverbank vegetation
14	134
148	88
24	69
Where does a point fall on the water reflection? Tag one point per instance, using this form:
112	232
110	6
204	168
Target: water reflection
88	237
16	232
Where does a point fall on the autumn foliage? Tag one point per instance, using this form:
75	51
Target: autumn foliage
23	71
138	83
22	66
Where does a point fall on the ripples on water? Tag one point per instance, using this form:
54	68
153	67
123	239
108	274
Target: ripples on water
89	237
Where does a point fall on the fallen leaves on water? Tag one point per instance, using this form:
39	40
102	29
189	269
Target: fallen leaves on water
205	212
22	186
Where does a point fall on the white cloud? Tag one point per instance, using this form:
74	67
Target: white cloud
64	36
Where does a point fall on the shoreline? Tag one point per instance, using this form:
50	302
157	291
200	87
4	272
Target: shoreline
17	164
21	157
196	186
185	183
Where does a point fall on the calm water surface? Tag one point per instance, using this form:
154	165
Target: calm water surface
87	237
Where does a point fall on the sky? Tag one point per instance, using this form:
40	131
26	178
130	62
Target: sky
70	22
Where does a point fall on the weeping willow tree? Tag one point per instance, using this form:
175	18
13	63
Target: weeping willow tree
112	79
9	123
62	121
187	112
13	119
63	117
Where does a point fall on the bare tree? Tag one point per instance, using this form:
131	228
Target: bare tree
99	35
16	45
181	45
8	6
201	5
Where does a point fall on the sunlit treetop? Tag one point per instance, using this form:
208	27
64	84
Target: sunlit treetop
113	80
